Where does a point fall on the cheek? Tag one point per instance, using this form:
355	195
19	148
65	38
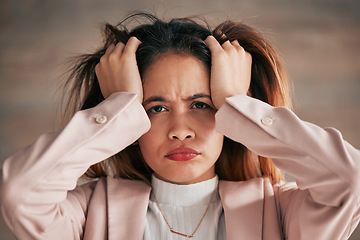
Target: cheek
145	142
150	141
212	140
204	124
145	145
214	144
219	142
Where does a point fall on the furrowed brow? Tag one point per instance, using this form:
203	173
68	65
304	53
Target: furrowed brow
153	99
199	95
162	99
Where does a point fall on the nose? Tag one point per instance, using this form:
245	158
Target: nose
181	129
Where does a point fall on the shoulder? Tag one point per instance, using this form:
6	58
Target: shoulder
112	183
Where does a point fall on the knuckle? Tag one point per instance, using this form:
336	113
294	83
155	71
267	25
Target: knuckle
126	54
239	49
217	51
112	58
103	60
232	51
222	56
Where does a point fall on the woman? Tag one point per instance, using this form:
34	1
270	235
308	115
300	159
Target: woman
194	125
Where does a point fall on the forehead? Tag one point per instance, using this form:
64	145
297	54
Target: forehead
175	76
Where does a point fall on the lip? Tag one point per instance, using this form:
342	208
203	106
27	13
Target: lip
182	154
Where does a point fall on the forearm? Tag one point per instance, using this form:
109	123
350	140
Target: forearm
40	176
319	159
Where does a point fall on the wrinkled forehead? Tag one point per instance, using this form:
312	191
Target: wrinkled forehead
172	53
176	76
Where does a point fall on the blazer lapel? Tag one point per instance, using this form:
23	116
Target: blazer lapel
127	206
243	204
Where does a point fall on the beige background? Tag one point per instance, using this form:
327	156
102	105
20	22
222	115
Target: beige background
319	41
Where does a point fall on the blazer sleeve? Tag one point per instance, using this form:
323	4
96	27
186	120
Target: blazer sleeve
35	185
325	202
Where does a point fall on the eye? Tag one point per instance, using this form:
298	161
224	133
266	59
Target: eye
200	105
155	109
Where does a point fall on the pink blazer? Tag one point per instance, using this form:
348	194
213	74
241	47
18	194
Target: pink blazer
40	200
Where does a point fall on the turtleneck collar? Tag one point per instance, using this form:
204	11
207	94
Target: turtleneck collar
184	195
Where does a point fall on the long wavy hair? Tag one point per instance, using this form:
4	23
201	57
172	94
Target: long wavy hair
269	83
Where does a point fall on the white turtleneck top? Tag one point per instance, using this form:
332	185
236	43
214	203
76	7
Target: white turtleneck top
183	207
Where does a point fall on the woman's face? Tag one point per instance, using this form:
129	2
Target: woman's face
182	145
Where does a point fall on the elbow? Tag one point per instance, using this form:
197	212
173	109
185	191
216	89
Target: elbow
353	175
354	184
351	186
8	200
348	168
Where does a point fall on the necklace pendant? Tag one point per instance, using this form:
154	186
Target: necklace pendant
181	234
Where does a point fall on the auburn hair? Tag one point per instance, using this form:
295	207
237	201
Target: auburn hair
269	83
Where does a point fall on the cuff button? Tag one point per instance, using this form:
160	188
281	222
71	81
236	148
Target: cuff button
101	119
267	121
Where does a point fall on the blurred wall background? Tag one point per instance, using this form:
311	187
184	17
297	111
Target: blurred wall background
319	42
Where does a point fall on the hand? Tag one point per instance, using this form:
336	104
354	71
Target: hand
230	70
117	70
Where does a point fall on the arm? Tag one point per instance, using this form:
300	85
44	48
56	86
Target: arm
326	168
35	182
35	198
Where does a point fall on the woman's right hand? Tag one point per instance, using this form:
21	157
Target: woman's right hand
117	70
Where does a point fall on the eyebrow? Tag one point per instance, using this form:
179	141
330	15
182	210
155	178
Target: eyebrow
153	99
199	95
162	99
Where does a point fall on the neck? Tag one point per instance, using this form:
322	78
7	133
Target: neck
184	195
206	176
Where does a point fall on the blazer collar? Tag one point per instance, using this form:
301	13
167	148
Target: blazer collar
243	204
128	201
243	208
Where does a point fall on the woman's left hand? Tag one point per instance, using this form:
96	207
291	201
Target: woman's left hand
230	70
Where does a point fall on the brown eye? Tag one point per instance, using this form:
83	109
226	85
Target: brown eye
155	109
200	105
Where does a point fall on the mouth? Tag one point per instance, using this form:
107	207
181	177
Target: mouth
182	154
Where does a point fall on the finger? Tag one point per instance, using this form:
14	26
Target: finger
248	56
98	70
237	46
109	50
119	48
212	44
132	45
227	46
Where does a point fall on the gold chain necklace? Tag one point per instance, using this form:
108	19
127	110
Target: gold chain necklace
197	227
